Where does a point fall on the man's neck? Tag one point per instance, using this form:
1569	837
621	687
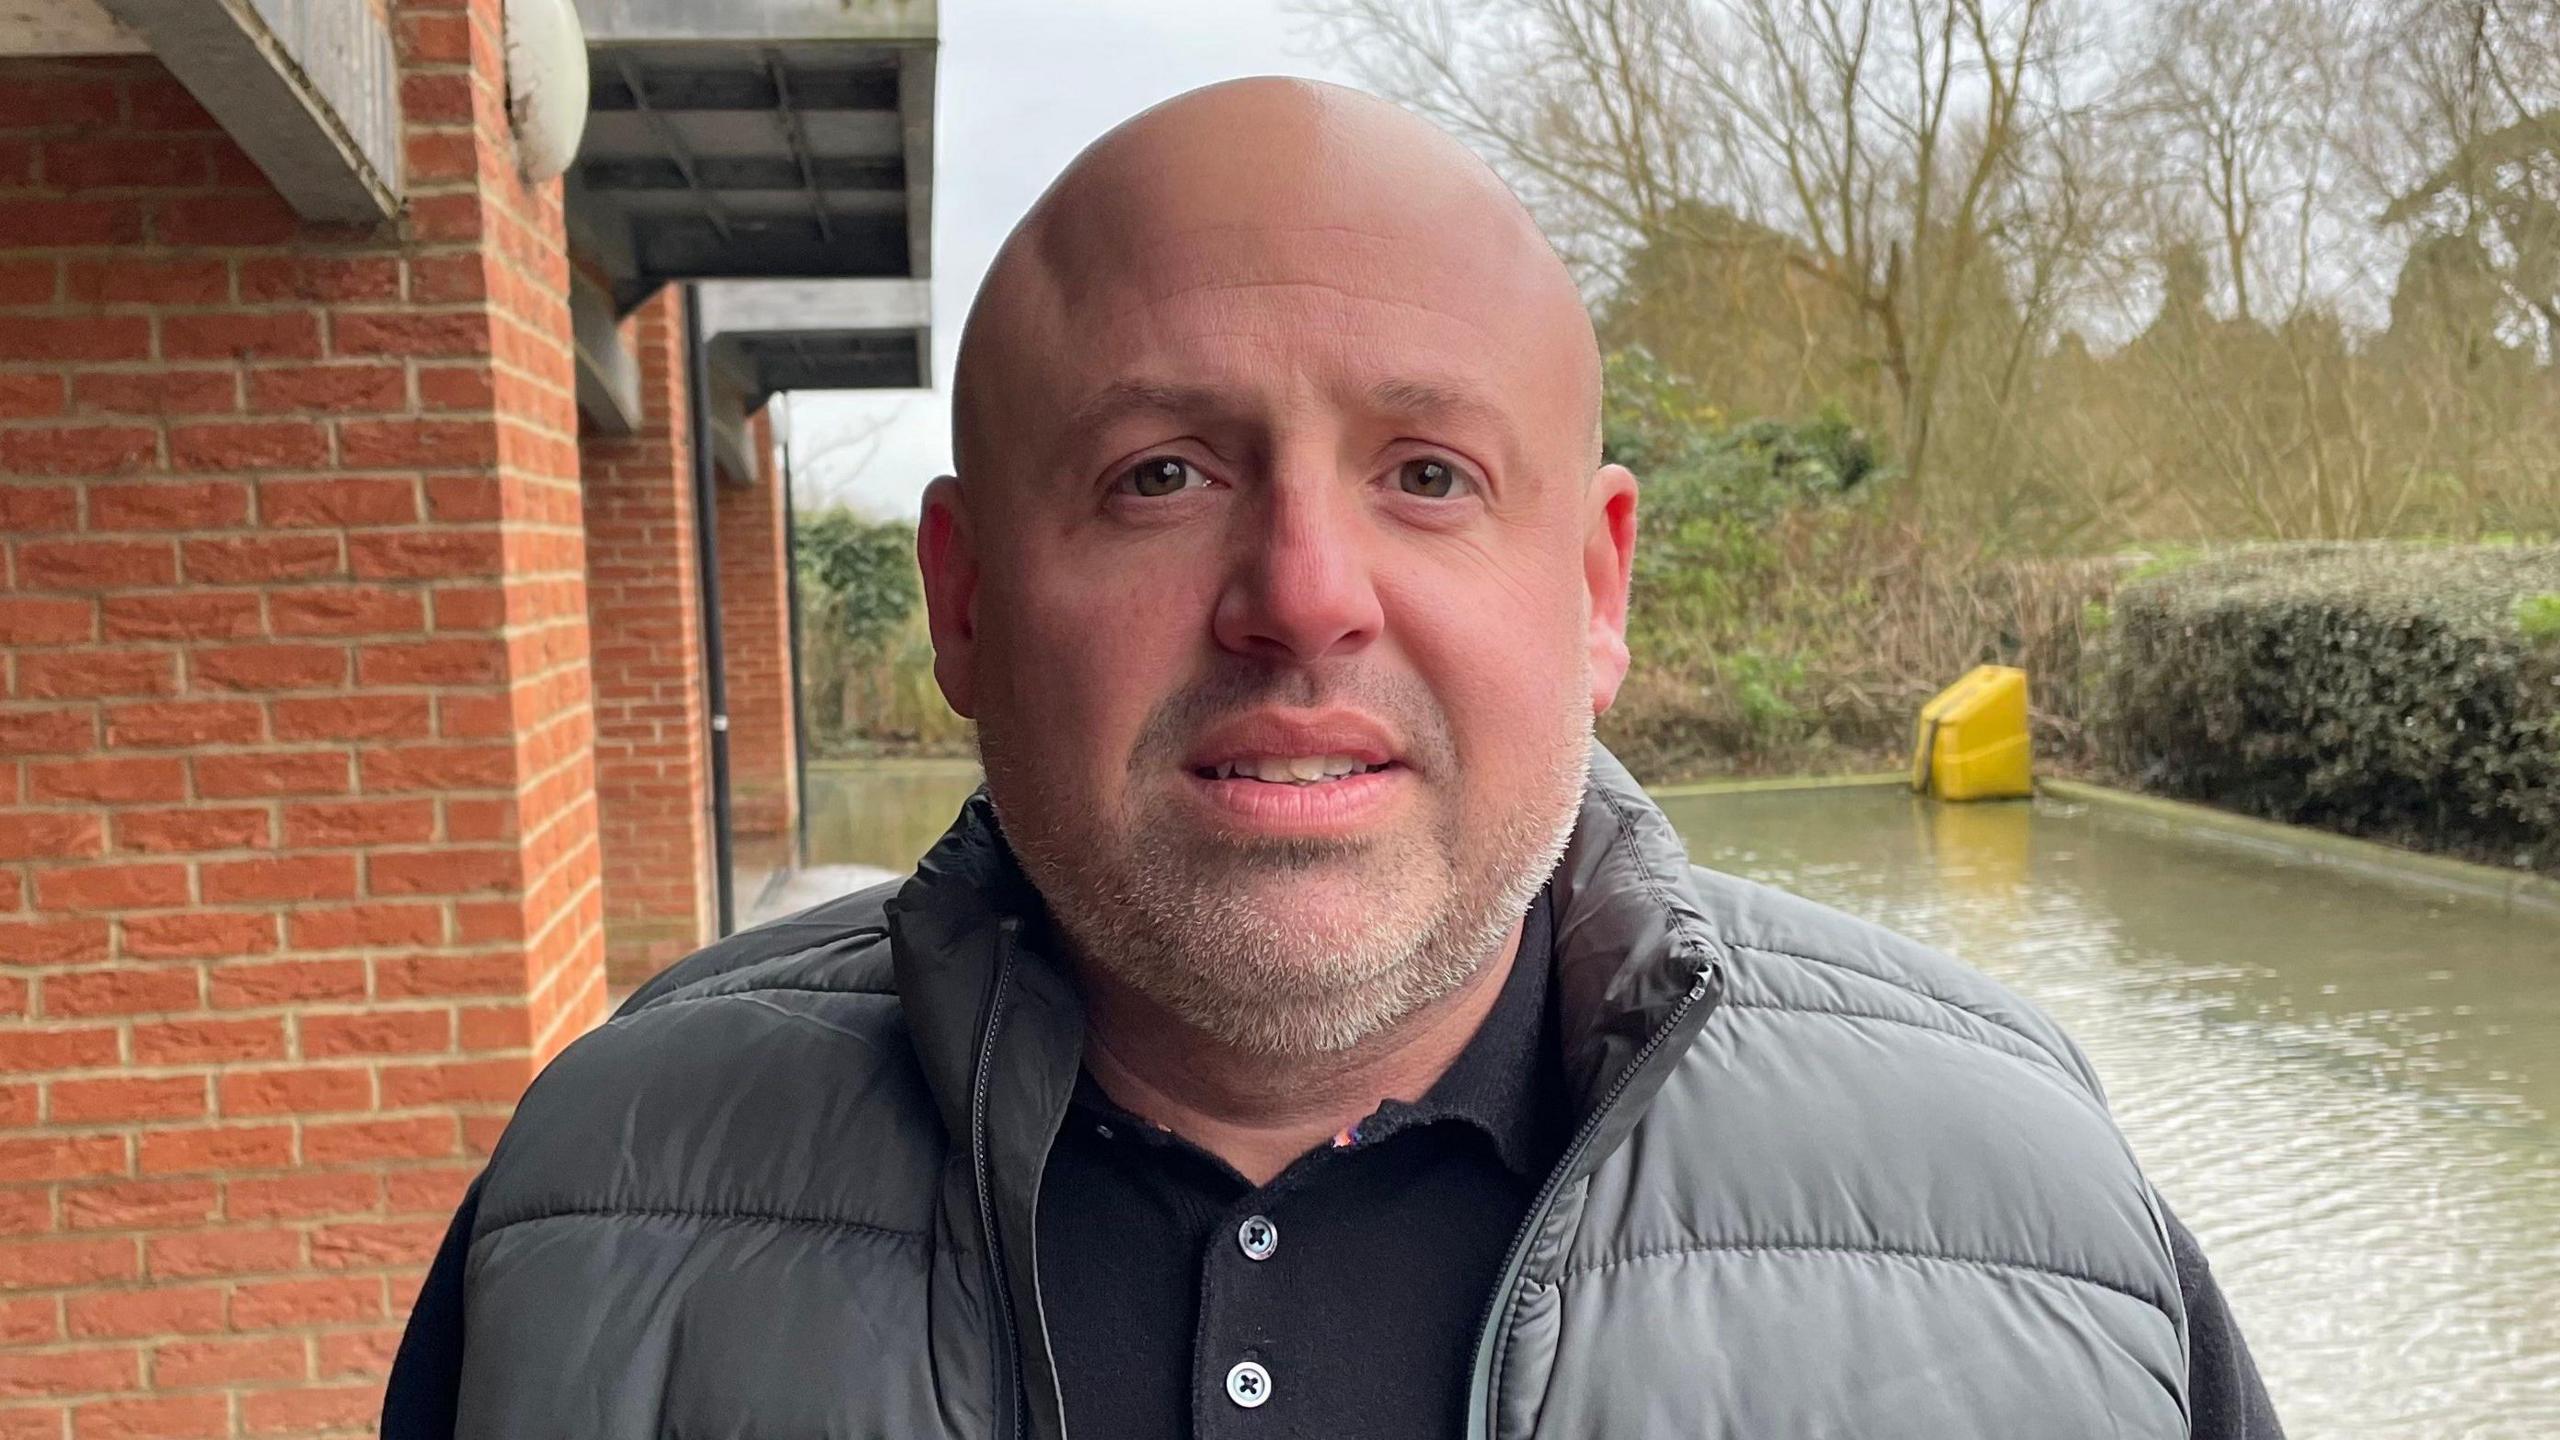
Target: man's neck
1259	1112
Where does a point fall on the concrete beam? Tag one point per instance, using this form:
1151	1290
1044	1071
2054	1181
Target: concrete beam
608	374
611	22
730	438
770	307
63	27
309	88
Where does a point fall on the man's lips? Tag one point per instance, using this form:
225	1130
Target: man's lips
1282	747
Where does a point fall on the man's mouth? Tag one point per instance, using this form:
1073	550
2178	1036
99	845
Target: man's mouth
1291	769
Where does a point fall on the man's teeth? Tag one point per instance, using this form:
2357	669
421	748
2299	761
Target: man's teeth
1292	770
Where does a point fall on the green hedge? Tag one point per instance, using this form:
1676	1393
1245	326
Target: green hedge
2409	693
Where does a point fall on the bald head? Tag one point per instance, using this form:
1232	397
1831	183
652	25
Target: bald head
1226	186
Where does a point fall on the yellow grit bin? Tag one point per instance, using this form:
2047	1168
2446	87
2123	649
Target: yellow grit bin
1972	742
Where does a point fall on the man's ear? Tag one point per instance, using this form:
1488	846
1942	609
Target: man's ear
947	553
1608	566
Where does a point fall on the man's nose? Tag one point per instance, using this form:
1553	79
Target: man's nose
1299	583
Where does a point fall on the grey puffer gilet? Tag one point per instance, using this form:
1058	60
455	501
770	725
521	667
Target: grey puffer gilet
1827	1183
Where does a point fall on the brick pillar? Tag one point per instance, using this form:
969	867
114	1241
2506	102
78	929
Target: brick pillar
653	767
755	632
298	873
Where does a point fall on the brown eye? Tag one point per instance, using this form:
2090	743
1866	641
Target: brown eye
1159	475
1431	479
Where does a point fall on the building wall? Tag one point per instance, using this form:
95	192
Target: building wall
644	596
755	629
298	870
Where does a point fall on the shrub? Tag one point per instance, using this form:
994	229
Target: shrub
2405	692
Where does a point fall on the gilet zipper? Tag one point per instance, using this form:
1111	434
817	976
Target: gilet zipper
1689	1013
1010	1400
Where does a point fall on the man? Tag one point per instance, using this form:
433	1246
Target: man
1307	1032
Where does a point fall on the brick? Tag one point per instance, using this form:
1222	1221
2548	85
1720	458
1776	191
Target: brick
156	392
298	772
356	927
115	780
28	282
38	101
81	221
379	1032
328	1300
169	1417
324	825
454	217
373	1244
134	280
95	674
357	1141
169	505
192	1364
191	830
30	397
249	445
448	279
198	934
318	279
337	389
438	767
32	1320
305	1090
167	723
221	1148
309	1409
132	1314
238	217
96	564
261	559
92	1102
442	872
198	1254
44	835
410	333
427	554
338	501
29	620
269	667
240	335
496	1082
112	887
348	610
141	1204
29	1051
78	994
285	982
357	1352
204	1042
56	338
278	880
62	1157
127	162
301	1196
52	1263
456	387
27	733
77	449
415	444
433	1191
85	1371
27	508
407	977
475	661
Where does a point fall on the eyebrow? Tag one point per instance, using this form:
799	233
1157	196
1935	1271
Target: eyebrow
1434	400
1123	398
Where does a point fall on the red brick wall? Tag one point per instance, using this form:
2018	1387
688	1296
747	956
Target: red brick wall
653	784
298	879
755	633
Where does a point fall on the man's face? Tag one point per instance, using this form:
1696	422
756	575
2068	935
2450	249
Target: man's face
1284	615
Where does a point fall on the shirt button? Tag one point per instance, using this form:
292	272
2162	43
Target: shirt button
1248	1384
1257	1237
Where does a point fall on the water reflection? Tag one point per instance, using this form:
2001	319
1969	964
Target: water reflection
2351	1092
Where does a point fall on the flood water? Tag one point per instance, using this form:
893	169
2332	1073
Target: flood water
2349	1090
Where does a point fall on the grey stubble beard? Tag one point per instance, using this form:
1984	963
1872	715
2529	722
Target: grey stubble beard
1154	905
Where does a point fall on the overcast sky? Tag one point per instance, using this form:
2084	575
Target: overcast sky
1024	85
